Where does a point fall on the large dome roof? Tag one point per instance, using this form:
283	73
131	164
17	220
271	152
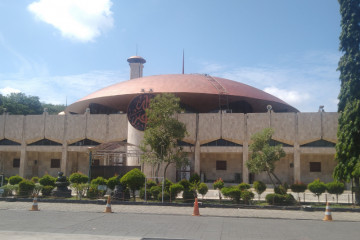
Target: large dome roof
198	93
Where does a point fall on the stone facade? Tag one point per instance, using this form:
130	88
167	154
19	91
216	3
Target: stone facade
307	138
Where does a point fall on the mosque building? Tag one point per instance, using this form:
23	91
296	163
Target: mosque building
100	133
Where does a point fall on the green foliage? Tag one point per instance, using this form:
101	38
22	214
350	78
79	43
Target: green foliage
335	188
218	184
175	189
112	182
46	190
280	199
37	189
259	187
264	156
35	179
8	189
233	193
188	195
298	187
80	189
203	189
53	109
93	191
194	178
243	186
99	181
163	132
142	193
155	190
47	180
150	183
26	188
167	185
281	189
347	147
134	180
185	183
317	187
247	196
13	180
78	178
166	196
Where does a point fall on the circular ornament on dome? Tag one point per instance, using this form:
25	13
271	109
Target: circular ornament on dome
136	111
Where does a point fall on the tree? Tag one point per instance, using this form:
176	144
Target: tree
264	156
317	187
347	148
134	180
163	133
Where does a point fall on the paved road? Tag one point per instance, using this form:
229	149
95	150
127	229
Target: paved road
87	221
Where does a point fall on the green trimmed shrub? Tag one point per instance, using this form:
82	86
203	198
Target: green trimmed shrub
194	178
112	182
167	185
188	195
218	184
8	189
93	191
166	197
13	180
47	180
298	187
203	189
281	189
247	196
234	193
35	179
335	188
175	189
134	180
317	187
259	187
185	183
78	178
26	188
142	193
280	199
155	190
99	181
150	183
46	190
243	186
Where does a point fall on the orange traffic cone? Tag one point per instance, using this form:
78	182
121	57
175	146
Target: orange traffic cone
108	206
327	213
34	206
196	208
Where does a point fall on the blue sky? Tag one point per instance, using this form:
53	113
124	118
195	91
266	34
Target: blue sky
62	50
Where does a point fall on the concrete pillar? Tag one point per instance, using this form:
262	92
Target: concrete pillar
64	159
245	172
297	163
23	161
135	137
197	158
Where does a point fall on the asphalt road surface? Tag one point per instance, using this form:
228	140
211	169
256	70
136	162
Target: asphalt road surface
87	221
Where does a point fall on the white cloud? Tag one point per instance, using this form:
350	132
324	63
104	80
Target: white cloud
7	90
82	20
290	96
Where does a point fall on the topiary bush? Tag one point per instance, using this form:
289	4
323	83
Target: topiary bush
298	187
99	181
175	189
155	190
35	179
112	182
194	178
185	183
219	184
78	178
47	180
150	183
280	199
259	187
203	189
247	196
13	180
281	189
166	197
167	185
8	189
26	188
134	180
243	186
46	190
234	193
188	195
335	188
142	193
317	188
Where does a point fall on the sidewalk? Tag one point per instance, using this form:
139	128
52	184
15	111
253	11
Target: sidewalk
176	210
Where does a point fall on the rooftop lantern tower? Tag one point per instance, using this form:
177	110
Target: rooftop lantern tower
136	66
